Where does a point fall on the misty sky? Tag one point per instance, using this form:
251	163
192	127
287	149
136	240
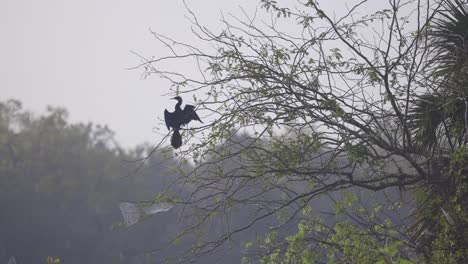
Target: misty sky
76	54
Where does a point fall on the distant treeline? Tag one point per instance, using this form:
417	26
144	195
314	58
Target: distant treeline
60	185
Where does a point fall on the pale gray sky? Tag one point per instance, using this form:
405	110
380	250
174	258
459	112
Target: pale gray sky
74	54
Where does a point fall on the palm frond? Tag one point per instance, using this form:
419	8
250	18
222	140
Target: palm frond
425	118
449	36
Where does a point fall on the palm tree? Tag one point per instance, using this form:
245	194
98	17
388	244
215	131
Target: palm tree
441	116
449	36
439	122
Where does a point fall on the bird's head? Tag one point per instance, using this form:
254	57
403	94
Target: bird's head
178	98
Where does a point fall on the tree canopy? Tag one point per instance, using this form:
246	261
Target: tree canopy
307	103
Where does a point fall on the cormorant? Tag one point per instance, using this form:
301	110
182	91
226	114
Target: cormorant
179	118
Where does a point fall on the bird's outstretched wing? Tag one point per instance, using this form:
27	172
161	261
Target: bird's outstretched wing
168	119
189	114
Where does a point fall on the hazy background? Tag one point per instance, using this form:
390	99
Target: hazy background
76	54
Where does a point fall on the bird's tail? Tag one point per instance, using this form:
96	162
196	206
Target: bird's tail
176	139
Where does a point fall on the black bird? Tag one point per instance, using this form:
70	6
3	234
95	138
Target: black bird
179	118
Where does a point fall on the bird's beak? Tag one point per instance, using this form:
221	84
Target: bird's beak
174	98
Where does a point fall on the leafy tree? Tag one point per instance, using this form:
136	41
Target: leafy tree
328	103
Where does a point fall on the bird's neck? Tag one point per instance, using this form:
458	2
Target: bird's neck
177	106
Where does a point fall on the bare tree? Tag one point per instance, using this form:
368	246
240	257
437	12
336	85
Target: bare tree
324	103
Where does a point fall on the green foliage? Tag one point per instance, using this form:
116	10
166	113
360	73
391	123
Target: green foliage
51	260
347	242
440	220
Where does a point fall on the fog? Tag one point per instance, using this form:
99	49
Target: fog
62	185
65	170
76	54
